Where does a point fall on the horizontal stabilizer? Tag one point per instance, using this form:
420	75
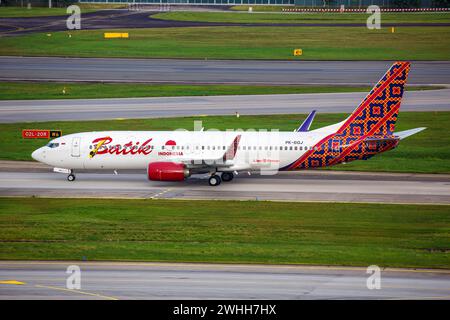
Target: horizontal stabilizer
404	134
380	139
304	127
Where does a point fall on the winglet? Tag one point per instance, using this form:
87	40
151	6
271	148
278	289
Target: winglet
231	151
404	134
304	127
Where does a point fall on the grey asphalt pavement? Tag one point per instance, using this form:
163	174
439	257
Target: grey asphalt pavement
214	71
127	280
326	186
98	109
124	19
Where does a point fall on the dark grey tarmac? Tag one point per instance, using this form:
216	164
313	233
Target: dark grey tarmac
215	71
124	19
132	108
128	280
314	185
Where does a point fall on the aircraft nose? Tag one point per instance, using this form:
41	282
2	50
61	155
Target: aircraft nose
37	155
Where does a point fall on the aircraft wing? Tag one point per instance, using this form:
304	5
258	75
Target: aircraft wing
226	160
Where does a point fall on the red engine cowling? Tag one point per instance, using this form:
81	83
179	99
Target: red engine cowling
167	171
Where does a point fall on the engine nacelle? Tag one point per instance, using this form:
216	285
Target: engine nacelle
167	171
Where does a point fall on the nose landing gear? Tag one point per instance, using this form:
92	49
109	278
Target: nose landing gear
71	177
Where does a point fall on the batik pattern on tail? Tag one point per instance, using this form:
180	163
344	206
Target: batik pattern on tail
375	117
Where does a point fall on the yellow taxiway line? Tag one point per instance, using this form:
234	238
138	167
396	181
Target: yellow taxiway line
77	291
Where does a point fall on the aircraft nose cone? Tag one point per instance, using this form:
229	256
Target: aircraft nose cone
37	155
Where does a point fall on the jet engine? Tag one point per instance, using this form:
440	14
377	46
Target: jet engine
167	171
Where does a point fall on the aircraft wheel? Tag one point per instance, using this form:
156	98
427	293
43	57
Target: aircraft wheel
214	180
227	176
71	177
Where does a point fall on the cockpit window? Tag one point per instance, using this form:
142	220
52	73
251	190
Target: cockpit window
53	145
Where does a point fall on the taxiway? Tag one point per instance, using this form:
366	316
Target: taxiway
132	108
127	280
315	185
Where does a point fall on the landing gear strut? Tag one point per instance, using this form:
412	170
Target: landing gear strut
214	180
227	176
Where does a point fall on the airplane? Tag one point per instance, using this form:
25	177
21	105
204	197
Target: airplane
176	155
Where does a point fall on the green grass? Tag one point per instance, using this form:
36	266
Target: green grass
243	17
425	152
51	90
225	231
13	12
338	43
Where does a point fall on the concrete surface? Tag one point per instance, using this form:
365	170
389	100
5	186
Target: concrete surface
121	19
127	280
215	71
286	186
98	109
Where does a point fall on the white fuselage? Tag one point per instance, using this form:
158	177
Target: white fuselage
136	149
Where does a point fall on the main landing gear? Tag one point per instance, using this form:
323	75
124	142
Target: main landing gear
215	179
227	176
